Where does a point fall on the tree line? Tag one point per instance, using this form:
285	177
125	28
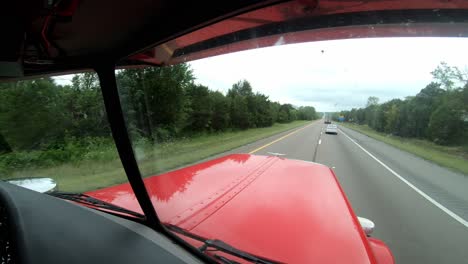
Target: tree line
159	104
166	102
439	112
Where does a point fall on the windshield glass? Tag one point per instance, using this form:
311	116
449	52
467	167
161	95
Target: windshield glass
57	128
401	106
311	131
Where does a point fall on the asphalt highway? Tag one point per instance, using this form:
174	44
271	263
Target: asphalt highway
420	209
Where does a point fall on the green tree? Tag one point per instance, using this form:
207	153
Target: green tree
391	117
422	106
85	107
239	113
241	88
372	101
155	99
371	110
165	88
241	99
286	113
220	115
446	125
134	96
306	113
439	112
274	111
259	107
201	108
31	113
449	76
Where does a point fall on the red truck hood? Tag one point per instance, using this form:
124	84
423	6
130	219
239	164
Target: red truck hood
286	210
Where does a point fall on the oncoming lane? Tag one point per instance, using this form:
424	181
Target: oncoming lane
300	145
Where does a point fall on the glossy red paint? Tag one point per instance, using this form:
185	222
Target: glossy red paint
286	210
381	251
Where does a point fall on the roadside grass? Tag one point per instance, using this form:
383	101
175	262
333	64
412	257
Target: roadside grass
455	158
153	159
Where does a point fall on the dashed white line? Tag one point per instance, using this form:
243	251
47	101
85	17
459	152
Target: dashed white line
423	194
320	141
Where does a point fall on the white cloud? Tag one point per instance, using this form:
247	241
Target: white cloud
63	79
338	74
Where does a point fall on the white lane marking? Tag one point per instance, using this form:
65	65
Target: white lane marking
320	141
423	194
321	133
276	154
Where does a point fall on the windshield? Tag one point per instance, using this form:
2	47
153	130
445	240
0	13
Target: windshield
401	106
263	131
267	153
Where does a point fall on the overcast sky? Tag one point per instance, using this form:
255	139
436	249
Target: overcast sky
335	75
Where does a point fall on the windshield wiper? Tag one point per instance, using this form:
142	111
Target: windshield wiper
220	246
216	244
93	202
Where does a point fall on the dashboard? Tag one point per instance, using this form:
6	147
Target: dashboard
38	228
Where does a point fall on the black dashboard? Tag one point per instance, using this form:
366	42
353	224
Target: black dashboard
38	228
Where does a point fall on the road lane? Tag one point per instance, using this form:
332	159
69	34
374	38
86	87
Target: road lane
446	187
302	145
412	186
415	229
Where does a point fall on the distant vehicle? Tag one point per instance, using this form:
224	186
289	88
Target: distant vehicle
331	129
327	121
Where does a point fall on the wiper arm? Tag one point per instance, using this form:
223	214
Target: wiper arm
93	202
225	260
208	243
221	246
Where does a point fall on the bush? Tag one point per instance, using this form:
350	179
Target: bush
164	133
72	151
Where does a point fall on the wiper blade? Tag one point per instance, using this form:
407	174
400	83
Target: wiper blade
225	260
221	246
93	202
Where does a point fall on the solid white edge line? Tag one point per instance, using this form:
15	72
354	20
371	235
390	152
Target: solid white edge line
423	194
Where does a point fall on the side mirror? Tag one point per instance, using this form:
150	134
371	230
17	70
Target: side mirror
367	225
41	185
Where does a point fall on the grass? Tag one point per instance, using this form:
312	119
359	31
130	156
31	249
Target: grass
455	158
90	175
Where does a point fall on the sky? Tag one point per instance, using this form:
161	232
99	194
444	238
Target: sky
333	75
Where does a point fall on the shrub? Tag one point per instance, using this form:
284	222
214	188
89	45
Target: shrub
73	150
